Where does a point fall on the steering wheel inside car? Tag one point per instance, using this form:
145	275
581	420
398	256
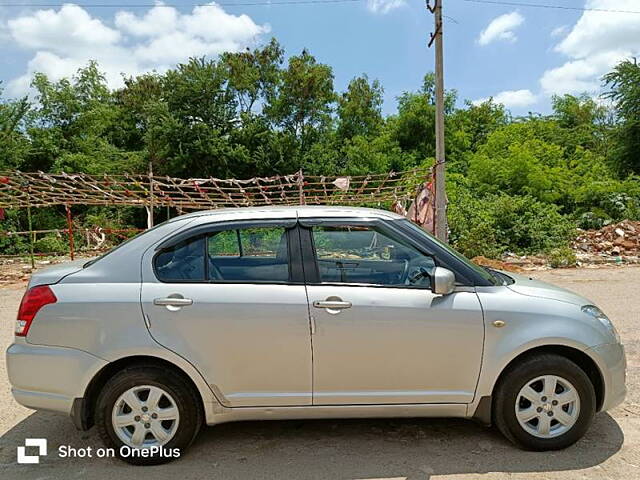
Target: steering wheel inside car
420	274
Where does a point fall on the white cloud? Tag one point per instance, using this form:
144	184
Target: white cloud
559	31
501	28
384	6
512	98
65	39
593	46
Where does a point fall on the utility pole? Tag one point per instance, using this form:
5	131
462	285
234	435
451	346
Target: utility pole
442	229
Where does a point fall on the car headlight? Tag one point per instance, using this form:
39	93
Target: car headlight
599	315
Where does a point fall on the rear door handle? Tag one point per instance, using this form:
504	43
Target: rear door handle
173	301
332	304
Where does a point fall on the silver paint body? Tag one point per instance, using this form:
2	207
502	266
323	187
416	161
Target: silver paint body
260	351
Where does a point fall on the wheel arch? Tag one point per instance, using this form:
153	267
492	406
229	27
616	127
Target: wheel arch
83	412
483	411
580	358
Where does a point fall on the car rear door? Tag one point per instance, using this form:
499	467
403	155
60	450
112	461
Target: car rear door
230	298
380	335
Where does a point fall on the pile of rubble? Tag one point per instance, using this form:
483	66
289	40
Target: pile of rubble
616	240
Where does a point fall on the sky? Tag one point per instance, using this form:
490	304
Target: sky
520	56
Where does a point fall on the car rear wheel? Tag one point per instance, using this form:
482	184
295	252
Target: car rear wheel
546	402
148	415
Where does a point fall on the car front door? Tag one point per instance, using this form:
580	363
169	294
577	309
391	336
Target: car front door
231	300
380	335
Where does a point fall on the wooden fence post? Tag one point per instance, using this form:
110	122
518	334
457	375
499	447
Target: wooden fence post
31	234
70	231
150	208
301	187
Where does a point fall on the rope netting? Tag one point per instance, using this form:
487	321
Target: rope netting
410	193
19	190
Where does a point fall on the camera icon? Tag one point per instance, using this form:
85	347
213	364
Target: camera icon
41	443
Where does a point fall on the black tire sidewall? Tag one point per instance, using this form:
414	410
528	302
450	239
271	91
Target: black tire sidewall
181	392
519	376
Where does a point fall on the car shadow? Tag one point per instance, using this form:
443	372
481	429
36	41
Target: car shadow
316	449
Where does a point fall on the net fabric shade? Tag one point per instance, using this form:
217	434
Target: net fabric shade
39	189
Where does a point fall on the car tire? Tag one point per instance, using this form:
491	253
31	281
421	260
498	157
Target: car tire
173	393
545	402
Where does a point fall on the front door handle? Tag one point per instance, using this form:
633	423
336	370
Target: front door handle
332	305
173	302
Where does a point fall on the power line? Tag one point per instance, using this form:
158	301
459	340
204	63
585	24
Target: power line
152	5
556	7
266	3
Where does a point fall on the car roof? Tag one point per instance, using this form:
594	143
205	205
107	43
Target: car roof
297	211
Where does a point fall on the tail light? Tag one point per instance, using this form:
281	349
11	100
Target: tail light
34	299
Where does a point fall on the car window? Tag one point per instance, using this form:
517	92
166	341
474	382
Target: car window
224	244
461	258
263	242
182	262
253	254
365	255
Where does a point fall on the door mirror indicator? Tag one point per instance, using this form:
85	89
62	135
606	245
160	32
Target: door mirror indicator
443	281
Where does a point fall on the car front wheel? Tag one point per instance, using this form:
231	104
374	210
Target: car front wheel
148	415
546	402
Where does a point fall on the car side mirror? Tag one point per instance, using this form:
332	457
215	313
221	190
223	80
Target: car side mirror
443	281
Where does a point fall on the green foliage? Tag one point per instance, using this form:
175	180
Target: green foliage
492	224
51	243
304	101
562	257
624	91
13	117
360	109
253	75
514	184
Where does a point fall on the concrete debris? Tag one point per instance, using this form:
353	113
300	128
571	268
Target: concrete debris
616	240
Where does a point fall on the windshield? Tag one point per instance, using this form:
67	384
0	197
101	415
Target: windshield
481	271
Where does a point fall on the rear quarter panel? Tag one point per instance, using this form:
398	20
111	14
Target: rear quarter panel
98	311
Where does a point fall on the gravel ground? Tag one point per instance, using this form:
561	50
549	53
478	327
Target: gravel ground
360	449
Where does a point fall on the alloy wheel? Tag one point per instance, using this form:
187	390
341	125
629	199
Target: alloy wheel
547	406
145	416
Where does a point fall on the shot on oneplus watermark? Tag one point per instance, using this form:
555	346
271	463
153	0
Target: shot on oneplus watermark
70	451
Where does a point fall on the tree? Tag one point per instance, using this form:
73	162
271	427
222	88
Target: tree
303	104
14	145
624	91
253	74
360	108
78	126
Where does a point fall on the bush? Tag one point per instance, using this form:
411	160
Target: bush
525	225
602	202
492	224
562	257
51	243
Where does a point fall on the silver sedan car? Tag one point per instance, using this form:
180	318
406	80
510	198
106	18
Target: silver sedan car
305	312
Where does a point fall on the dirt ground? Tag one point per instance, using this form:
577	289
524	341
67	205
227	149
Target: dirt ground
359	449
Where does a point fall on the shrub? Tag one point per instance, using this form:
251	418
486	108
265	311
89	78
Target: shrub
51	243
492	224
562	257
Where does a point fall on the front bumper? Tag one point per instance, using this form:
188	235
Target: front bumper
49	378
612	362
